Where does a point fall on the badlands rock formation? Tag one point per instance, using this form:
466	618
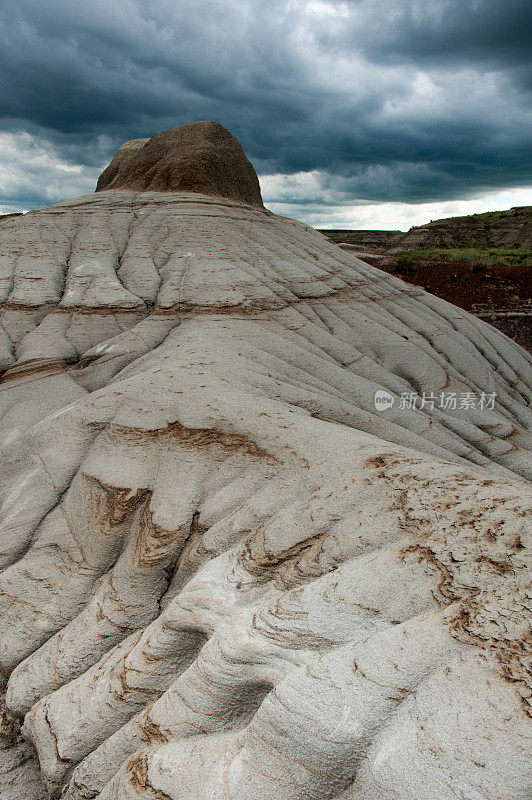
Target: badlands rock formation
512	228
198	157
225	574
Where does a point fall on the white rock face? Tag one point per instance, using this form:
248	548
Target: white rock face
225	574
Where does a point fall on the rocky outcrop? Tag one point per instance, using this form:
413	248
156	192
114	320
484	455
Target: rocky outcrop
125	153
201	157
494	229
511	228
225	572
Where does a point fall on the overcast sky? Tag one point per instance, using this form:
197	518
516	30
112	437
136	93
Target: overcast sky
360	113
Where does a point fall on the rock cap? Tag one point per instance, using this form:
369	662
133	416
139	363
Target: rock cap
200	157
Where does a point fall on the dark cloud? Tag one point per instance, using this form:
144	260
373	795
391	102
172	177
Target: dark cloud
491	33
403	100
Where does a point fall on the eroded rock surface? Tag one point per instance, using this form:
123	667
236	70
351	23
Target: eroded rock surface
197	157
225	574
126	152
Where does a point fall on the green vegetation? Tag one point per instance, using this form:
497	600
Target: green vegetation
479	258
475	245
404	263
349	235
490	216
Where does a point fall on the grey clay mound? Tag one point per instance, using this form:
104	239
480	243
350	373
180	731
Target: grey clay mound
224	573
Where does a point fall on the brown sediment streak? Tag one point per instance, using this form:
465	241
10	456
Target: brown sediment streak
111	505
247	307
32	369
151	732
243	309
512	653
12	305
491	598
196	437
153	543
288	568
127	690
9	305
137	767
102	311
194	550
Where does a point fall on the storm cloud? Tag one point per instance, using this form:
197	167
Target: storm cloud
335	102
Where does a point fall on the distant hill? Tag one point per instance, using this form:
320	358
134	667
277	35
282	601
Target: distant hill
511	228
369	241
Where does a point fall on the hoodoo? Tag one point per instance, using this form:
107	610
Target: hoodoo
198	157
264	507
